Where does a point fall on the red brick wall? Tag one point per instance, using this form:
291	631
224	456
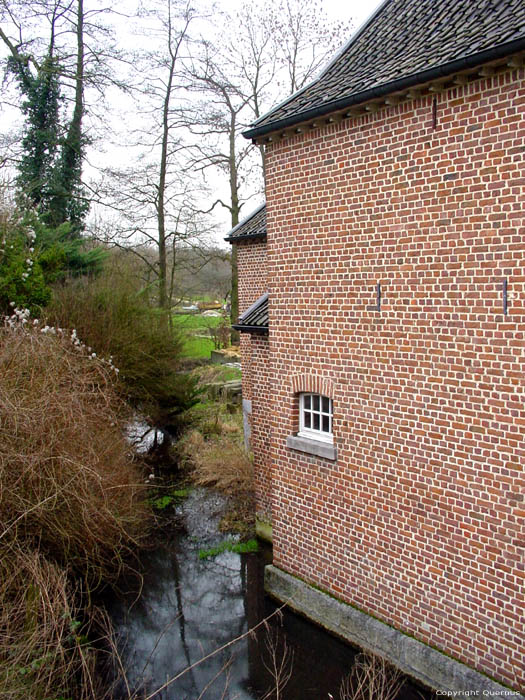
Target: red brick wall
253	282
261	426
419	520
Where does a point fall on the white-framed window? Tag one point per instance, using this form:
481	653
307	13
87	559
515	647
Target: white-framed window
315	417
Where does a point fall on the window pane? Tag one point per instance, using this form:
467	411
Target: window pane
307	400
307	420
326	405
326	424
316	421
316	402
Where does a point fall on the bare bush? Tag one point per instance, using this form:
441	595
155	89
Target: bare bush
278	663
372	678
220	462
70	503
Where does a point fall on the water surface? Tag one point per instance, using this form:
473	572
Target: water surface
189	608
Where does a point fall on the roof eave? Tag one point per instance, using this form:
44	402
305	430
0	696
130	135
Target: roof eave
244	221
263	330
446	69
245	237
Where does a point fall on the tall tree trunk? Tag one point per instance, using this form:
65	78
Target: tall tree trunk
68	206
163	167
235	215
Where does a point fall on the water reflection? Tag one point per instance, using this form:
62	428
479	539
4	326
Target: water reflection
189	607
143	437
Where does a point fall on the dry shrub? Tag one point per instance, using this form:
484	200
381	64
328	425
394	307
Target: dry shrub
70	503
67	482
42	654
220	462
372	678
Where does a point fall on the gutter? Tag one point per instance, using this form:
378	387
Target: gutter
409	81
244	237
250	329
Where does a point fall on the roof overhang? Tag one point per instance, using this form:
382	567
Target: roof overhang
246	237
236	235
255	318
437	78
250	329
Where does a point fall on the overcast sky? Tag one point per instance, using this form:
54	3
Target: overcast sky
106	153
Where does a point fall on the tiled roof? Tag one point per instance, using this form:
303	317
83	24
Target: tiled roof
405	42
254	226
255	319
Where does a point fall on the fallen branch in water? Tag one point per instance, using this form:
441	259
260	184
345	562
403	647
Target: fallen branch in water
248	633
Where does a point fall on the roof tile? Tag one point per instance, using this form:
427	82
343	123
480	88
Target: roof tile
402	39
254	226
255	319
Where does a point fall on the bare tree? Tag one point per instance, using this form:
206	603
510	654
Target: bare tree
257	57
156	200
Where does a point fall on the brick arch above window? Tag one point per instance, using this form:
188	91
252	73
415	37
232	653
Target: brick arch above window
310	383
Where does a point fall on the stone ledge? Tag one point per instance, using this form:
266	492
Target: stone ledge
313	447
413	657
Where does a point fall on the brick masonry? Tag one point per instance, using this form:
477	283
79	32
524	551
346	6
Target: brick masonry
419	521
261	426
253	282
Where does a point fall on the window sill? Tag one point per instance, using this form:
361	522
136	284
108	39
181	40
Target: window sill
313	447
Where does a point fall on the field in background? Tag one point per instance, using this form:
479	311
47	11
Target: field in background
195	328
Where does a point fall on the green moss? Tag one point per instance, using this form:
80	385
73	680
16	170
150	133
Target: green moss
248	547
163	502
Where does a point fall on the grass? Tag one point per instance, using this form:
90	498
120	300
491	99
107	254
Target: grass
248	547
195	331
194	346
188	322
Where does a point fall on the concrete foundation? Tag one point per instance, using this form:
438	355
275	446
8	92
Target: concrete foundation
433	668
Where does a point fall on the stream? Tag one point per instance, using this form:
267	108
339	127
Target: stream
190	607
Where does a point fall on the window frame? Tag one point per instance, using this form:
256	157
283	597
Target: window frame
307	414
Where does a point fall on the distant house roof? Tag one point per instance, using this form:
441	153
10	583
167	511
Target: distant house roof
254	226
254	319
403	44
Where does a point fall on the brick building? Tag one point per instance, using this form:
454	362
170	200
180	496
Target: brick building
383	341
